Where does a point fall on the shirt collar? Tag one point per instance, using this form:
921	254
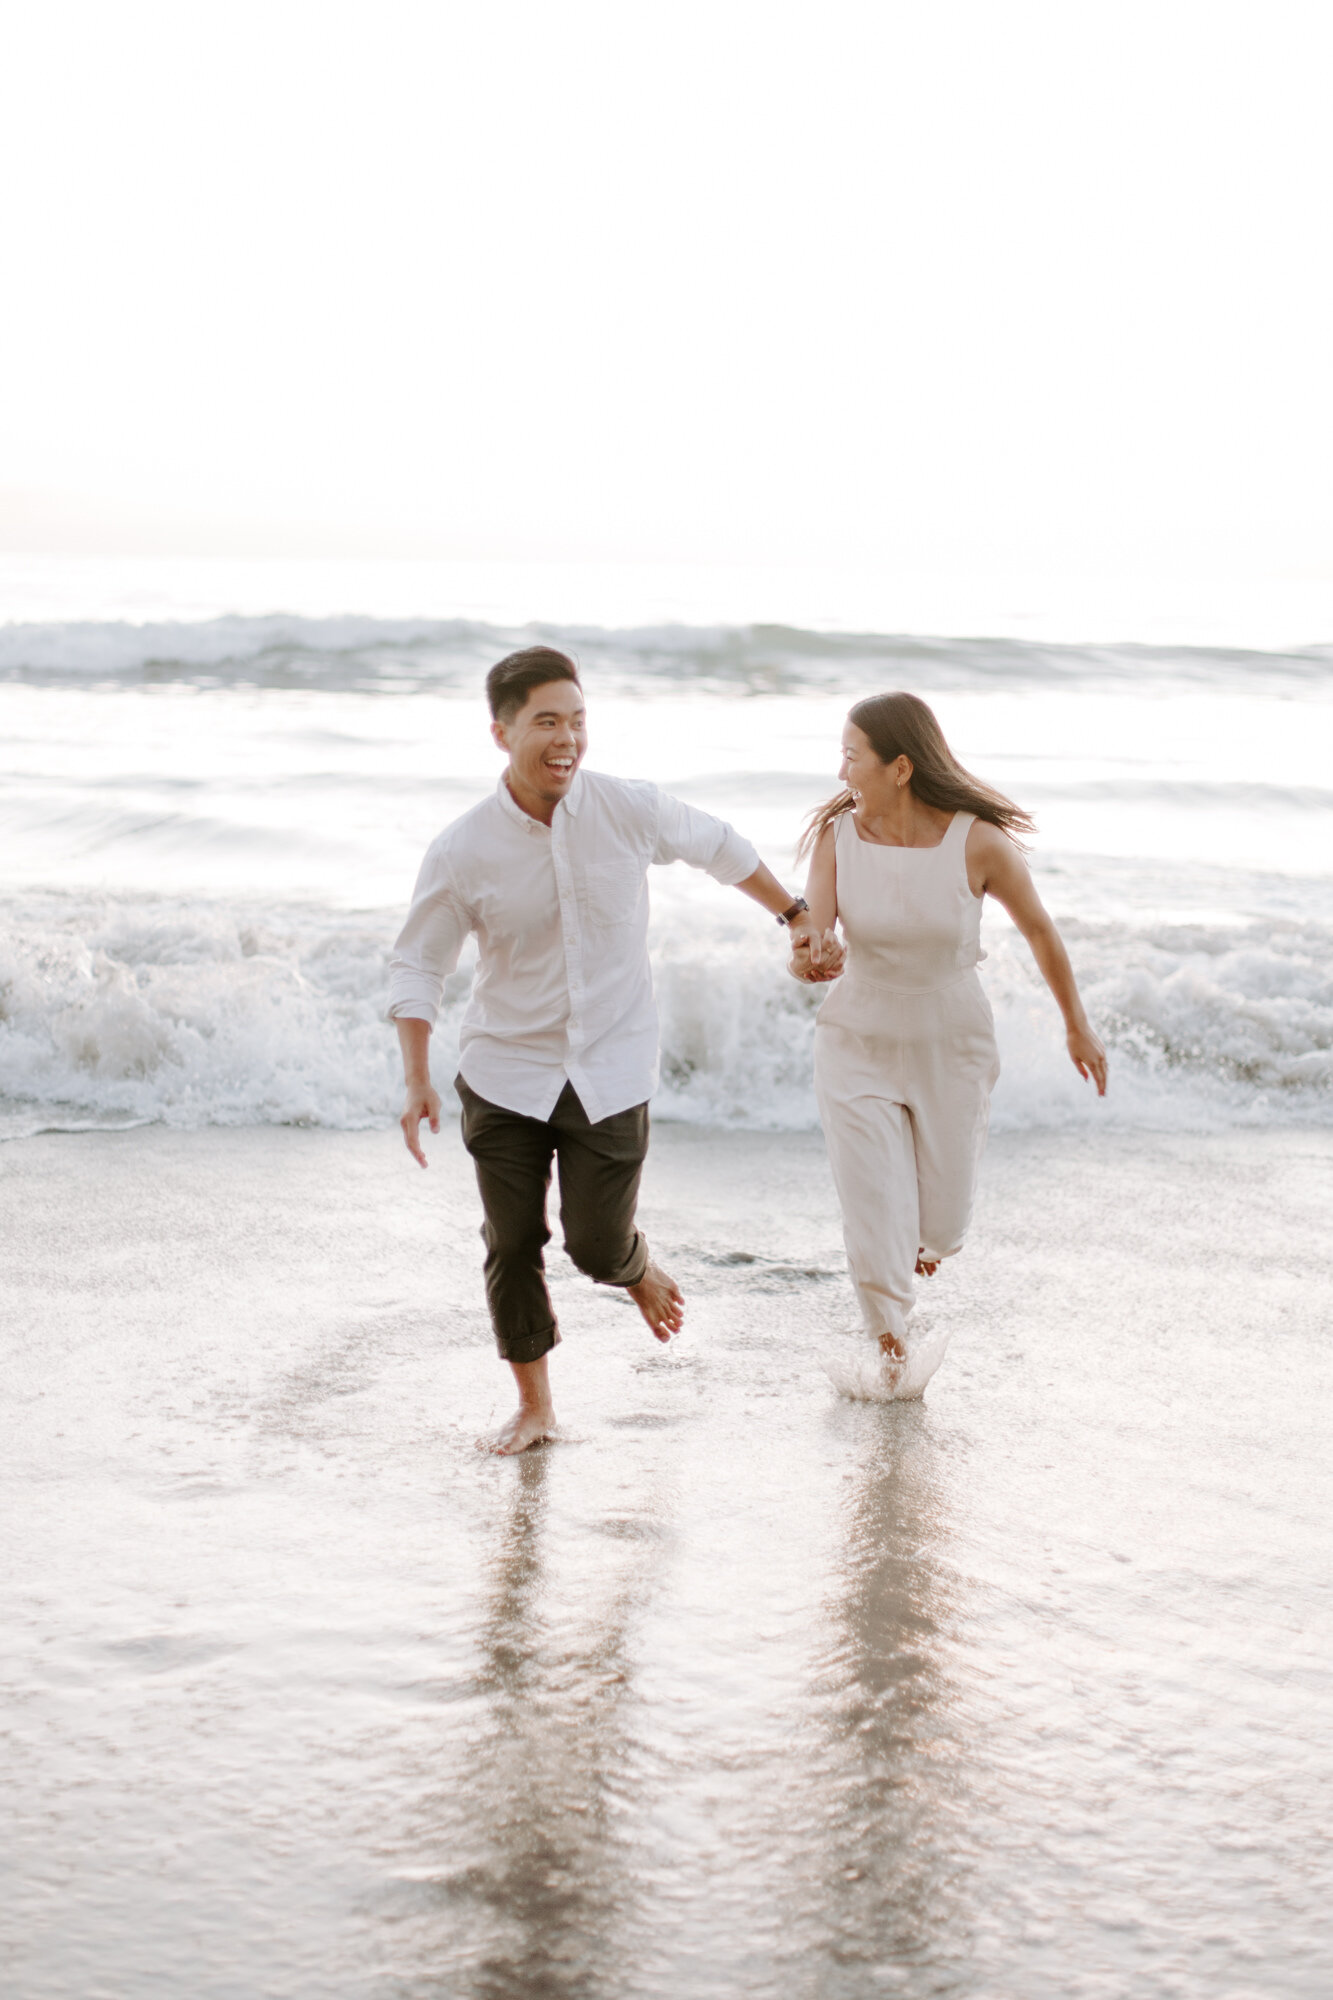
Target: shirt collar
509	805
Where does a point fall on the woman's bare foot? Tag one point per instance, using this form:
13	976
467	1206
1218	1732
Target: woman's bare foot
526	1427
660	1300
926	1267
892	1348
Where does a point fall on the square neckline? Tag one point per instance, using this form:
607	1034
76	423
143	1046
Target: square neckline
900	847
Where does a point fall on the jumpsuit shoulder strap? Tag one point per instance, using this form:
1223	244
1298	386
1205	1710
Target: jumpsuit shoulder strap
956	838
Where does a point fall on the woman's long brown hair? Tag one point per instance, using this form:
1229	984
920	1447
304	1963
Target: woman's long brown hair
901	725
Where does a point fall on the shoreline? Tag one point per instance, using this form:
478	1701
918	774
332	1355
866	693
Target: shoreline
738	1687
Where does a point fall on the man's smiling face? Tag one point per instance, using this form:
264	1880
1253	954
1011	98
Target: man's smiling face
546	742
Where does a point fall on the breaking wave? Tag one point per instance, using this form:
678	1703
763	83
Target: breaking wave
397	656
129	1009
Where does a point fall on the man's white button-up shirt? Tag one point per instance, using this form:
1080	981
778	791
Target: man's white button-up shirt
563	989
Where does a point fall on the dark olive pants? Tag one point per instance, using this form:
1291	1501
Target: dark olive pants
600	1167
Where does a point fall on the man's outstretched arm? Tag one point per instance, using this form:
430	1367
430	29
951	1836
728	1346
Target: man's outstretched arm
686	834
764	888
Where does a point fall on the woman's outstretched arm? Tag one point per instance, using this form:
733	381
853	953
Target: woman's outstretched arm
996	868
821	893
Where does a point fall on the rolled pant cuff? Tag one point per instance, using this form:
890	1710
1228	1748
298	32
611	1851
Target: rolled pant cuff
635	1268
522	1347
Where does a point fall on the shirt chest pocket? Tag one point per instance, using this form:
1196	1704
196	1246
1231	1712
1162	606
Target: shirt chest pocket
610	892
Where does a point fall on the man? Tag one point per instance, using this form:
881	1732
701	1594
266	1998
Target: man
558	1051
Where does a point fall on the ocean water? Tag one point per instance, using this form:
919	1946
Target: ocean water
218	785
744	1687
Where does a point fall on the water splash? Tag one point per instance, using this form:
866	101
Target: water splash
864	1375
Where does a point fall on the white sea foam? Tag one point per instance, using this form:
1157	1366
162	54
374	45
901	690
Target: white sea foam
196	1012
208	829
125	1010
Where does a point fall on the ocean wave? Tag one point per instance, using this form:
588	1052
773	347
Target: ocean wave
403	656
126	1009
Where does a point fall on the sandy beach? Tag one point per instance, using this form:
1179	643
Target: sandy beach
742	1688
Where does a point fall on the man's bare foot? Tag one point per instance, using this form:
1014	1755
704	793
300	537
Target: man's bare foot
926	1267
534	1419
526	1427
660	1300
891	1347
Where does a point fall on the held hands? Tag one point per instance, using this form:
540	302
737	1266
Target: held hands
422	1101
815	958
1088	1056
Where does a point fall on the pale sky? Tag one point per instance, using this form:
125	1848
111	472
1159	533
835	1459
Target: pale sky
953	284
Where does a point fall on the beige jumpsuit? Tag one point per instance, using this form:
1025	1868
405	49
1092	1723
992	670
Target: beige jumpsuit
905	1062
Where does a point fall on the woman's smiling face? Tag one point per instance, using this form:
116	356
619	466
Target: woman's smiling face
860	766
873	783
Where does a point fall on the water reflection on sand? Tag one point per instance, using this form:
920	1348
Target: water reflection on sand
520	1879
740	1690
885	1886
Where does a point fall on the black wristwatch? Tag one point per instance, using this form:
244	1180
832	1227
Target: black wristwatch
795	910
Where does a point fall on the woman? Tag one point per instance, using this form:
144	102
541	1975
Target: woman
905	1057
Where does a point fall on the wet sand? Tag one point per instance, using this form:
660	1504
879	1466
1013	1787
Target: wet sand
740	1689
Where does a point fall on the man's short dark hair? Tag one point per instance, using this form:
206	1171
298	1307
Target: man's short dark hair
509	684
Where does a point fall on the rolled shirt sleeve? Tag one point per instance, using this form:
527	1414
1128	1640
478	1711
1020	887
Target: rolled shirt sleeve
426	950
686	834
